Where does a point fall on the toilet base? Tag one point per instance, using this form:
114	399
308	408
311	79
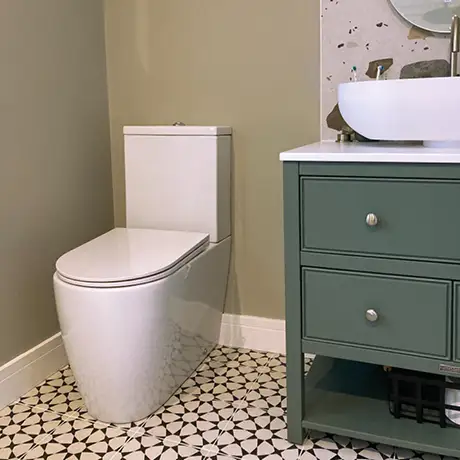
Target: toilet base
131	347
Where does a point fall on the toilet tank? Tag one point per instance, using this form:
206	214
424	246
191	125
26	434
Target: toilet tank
178	178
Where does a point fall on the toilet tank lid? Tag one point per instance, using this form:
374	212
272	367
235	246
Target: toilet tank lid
177	130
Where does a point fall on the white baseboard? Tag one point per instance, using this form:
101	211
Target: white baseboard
255	333
26	371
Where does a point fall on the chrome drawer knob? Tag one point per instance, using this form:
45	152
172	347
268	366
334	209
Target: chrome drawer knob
372	316
372	220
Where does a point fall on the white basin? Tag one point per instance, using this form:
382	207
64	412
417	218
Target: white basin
423	109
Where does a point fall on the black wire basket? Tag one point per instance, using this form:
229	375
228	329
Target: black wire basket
421	397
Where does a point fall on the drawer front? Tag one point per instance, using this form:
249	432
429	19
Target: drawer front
381	216
389	313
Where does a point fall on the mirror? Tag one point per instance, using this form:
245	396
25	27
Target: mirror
432	15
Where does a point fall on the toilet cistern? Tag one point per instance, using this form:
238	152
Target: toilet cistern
454	45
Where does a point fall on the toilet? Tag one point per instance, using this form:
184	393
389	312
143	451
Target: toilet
141	307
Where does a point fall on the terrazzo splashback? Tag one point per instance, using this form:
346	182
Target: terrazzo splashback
357	32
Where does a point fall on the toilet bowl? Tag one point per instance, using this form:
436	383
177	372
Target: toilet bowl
140	307
134	328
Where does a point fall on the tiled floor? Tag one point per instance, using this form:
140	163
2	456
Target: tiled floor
232	408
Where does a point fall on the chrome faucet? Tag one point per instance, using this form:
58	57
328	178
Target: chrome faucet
454	45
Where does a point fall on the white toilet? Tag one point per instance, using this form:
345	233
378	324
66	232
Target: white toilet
140	307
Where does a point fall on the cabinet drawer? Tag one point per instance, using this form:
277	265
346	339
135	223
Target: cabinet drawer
390	313
418	219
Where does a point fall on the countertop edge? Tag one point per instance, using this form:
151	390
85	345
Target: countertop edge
427	158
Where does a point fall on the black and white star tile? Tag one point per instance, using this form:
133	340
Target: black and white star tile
192	423
83	414
327	447
233	363
404	454
255	433
270	388
79	439
201	409
152	448
21	427
58	393
231	408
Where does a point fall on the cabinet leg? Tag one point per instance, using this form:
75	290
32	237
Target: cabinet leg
296	434
295	399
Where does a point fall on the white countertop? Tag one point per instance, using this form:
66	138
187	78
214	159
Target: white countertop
372	152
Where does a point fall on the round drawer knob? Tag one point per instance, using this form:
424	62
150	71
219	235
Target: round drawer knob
372	220
372	316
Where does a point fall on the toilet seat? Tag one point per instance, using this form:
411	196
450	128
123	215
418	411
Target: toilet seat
127	257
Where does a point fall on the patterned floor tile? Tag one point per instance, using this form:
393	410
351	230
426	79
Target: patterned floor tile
224	378
21	427
150	447
326	447
58	393
207	385
308	360
270	388
194	423
79	439
223	358
404	454
216	359
256	433
231	408
84	415
200	410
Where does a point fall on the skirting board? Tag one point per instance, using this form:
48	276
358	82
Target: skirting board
26	371
253	332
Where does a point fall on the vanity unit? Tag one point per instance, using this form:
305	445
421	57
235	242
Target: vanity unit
372	264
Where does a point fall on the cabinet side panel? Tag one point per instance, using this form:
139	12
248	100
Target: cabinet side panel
294	356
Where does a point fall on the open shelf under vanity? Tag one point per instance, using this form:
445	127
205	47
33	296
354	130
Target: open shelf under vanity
350	398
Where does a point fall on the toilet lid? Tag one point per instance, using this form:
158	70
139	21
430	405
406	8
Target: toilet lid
125	254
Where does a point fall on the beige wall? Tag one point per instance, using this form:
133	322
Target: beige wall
250	64
55	183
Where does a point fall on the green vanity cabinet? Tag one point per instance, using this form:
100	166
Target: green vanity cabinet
372	277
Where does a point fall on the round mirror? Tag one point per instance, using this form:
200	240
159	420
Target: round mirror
432	15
